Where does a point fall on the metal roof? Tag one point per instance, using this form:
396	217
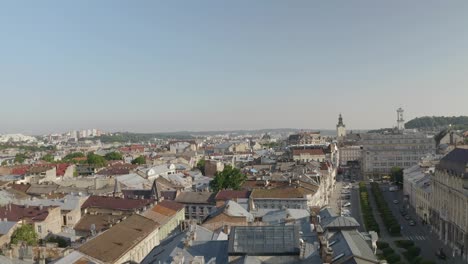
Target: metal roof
264	240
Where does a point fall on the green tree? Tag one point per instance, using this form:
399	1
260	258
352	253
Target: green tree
20	158
113	156
72	156
48	158
229	178
25	233
62	243
97	160
201	166
140	160
396	173
4	163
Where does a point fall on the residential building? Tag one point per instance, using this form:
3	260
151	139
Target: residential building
198	205
6	230
350	153
70	207
306	139
307	155
115	205
240	197
449	203
45	219
229	214
127	242
168	215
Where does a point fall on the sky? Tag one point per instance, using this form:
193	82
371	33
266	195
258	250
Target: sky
158	66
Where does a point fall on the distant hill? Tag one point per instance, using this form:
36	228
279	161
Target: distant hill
437	122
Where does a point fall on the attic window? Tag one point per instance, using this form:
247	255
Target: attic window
332	243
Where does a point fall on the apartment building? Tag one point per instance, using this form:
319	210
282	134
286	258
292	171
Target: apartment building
449	212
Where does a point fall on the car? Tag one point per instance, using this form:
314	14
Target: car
407	217
412	223
347	204
396	202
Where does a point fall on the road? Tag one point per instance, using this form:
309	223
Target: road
420	234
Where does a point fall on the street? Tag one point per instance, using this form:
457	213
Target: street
420	234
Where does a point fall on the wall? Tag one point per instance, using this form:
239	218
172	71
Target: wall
139	251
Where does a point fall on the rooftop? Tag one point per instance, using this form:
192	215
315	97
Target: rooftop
264	240
115	242
115	203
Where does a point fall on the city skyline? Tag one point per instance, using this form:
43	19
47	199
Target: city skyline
160	67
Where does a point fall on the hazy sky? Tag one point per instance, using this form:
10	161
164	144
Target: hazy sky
206	65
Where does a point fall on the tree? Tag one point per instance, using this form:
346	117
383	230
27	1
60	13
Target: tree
72	156
48	158
4	163
397	175
201	166
113	156
62	243
97	160
229	178
140	160
20	158
25	233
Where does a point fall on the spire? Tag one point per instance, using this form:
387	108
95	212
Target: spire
340	121
154	191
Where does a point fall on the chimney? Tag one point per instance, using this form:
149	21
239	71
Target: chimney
227	229
328	255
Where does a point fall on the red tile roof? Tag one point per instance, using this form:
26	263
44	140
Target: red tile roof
15	212
115	203
20	187
61	168
308	151
20	170
175	206
228	195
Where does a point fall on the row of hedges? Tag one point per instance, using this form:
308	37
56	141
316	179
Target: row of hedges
391	223
366	209
389	254
412	252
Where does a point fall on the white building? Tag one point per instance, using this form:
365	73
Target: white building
350	153
382	151
449	203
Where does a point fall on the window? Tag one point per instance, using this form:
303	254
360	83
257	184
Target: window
39	229
70	217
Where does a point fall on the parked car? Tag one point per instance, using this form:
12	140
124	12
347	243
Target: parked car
407	217
396	201
412	223
347	204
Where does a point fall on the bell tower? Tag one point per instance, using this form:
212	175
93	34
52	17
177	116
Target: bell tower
340	128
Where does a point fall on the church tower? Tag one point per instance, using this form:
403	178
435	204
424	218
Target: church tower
340	128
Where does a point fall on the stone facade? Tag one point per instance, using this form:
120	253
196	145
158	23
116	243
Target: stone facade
449	212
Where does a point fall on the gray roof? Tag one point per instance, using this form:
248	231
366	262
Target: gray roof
264	240
351	244
232	208
281	215
195	198
5	226
68	203
339	222
213	251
